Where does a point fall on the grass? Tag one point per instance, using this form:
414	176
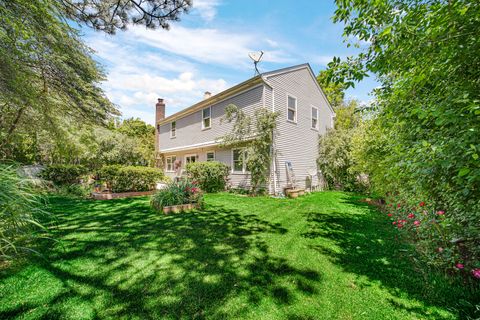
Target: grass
322	256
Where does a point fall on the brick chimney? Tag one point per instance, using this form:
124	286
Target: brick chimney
159	116
207	95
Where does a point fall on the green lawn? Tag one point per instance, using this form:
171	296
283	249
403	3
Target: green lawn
323	256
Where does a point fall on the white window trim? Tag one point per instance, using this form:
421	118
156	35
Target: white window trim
190	155
173	163
203	127
311	118
244	165
296	108
171	125
214	155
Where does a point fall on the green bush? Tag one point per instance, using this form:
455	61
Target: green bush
211	176
182	192
20	207
130	178
63	174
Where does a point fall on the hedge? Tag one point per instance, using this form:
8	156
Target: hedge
63	174
130	178
211	176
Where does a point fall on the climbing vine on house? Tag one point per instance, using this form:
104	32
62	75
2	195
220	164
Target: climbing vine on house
254	134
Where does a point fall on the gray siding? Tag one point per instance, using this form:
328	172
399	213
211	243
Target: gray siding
189	128
298	142
221	155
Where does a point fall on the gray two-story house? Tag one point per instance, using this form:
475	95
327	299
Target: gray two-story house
192	134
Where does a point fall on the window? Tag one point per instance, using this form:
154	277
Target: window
239	164
206	118
292	109
211	156
170	163
314	118
173	129
190	158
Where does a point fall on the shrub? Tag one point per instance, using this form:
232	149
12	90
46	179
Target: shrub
63	174
130	178
75	190
20	206
177	193
211	176
433	233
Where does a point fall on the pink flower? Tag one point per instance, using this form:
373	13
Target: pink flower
459	266
389	214
422	204
440	249
411	216
398	205
403	221
441	212
394	222
399	226
416	223
476	273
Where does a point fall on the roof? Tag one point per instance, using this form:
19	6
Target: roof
247	84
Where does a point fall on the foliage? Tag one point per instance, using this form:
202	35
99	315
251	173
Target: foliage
110	15
210	175
335	91
130	178
335	160
77	190
20	208
254	134
48	79
144	136
430	230
177	193
425	131
323	254
63	174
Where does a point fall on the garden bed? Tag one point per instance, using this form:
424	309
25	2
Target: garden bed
112	195
180	208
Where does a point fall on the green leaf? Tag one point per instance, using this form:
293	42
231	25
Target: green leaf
463	172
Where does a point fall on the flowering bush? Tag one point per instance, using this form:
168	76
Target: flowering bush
177	193
434	236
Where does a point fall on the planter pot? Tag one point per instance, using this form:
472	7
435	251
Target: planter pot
180	208
294	193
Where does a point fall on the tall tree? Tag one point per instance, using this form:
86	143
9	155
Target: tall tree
425	56
47	76
112	15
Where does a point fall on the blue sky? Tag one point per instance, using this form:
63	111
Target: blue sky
208	51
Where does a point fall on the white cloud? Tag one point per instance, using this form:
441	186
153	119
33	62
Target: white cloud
321	60
208	45
207	9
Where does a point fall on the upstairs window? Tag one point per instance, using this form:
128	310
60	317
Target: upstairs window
206	118
211	156
238	158
292	109
173	129
314	118
169	163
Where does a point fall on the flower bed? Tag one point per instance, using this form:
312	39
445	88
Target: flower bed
436	241
177	197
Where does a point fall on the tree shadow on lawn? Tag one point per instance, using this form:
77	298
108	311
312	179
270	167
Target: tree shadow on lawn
125	261
369	247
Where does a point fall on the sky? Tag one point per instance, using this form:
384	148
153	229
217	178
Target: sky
207	50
